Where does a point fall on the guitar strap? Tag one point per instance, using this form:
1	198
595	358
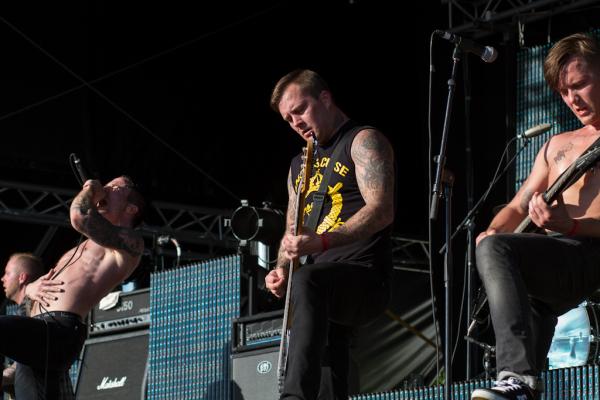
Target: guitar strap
319	197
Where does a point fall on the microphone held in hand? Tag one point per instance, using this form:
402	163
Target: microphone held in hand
486	53
78	169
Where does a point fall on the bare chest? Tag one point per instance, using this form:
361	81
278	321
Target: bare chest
86	260
583	196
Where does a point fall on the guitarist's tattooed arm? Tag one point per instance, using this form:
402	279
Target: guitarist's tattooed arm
374	162
282	261
570	204
276	281
516	210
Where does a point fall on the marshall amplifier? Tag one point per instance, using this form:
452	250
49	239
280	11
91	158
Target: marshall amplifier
114	367
121	312
257	331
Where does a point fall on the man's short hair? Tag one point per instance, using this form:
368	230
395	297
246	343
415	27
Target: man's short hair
30	264
308	81
137	199
579	44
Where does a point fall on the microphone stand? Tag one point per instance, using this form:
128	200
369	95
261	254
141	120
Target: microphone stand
489	353
468	223
433	211
469	219
470	189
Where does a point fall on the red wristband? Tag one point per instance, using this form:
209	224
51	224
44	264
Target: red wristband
573	228
324	241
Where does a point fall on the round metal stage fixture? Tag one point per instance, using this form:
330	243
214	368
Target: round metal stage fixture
261	224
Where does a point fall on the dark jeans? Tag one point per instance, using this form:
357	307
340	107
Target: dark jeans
44	346
328	300
530	280
29	384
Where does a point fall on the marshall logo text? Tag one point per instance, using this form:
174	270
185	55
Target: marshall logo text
108	383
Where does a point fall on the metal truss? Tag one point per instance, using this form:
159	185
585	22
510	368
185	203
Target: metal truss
483	17
410	255
50	206
21	202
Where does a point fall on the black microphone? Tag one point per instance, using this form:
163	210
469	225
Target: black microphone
535	131
82	175
486	53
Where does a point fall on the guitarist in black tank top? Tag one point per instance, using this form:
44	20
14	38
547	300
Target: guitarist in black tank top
345	282
532	278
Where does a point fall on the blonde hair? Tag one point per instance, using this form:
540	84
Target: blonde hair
30	264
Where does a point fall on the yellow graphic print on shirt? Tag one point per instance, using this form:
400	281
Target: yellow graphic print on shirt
331	220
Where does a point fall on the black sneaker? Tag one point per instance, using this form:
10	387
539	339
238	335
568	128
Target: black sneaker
508	389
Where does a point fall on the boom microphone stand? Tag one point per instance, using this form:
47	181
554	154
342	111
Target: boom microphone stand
433	211
468	223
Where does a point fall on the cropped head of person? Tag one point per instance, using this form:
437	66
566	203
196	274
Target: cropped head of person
304	101
21	269
123	204
572	69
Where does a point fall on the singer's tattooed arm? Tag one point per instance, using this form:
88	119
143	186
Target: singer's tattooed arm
86	220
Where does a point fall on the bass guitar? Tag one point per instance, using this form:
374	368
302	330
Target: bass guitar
301	190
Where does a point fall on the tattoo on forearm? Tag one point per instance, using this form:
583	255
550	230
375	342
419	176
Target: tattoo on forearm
83	203
561	153
525	197
101	231
355	228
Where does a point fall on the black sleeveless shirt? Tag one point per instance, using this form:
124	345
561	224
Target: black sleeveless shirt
342	201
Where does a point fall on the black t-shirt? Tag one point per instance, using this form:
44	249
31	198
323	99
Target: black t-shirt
342	201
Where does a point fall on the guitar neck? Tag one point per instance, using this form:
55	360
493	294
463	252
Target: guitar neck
292	265
285	327
571	175
298	221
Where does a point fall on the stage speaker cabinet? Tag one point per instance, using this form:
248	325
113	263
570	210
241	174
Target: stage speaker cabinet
255	374
114	367
130	311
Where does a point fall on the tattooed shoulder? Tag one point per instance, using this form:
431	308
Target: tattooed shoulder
374	160
131	242
117	238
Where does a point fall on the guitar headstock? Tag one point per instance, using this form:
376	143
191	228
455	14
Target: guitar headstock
306	167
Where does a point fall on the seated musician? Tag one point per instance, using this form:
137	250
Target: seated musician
532	278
